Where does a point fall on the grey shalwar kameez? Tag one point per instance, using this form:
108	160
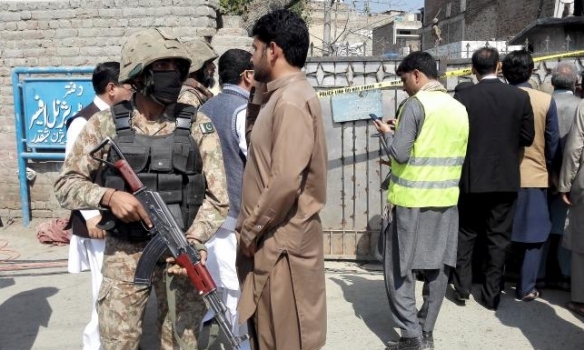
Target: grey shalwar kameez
422	240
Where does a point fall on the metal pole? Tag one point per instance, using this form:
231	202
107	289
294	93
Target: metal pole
326	35
19	123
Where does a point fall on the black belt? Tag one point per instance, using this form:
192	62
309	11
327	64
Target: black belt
133	236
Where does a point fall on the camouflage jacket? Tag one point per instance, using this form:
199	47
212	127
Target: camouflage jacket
194	93
74	189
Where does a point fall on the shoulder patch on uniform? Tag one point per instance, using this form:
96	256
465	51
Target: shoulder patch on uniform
207	128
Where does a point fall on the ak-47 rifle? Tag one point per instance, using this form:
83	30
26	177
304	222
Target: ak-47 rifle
166	234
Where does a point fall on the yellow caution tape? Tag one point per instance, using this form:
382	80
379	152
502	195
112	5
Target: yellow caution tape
559	55
452	73
358	88
458	72
467	71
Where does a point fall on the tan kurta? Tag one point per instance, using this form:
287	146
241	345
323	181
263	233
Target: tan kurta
533	168
284	188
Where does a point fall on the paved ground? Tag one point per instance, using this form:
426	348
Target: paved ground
43	307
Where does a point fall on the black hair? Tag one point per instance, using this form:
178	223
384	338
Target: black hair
484	60
103	74
232	64
202	77
517	66
288	31
463	85
420	60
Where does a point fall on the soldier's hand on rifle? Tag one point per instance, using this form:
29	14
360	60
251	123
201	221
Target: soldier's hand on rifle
93	231
126	207
176	269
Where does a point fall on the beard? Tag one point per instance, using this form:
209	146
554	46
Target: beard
261	71
209	82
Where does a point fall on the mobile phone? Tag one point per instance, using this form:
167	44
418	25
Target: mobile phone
374	116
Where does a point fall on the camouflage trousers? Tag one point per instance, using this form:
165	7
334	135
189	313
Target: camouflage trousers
121	304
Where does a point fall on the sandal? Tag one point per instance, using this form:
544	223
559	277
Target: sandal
577	308
534	294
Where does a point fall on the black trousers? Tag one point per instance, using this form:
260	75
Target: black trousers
490	216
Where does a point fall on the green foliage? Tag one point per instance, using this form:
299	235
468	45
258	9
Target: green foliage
233	7
239	7
303	10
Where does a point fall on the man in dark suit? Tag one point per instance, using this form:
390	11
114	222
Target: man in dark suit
501	125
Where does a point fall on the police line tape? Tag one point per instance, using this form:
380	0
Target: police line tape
359	88
452	73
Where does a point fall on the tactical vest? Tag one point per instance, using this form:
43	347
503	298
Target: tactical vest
169	164
430	177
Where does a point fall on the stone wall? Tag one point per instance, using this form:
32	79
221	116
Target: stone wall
73	33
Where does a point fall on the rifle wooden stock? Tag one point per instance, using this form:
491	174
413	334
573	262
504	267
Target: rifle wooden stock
129	175
198	274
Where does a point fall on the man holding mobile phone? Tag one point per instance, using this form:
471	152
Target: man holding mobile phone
427	152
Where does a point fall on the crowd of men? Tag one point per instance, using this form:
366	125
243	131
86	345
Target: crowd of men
493	170
243	173
244	184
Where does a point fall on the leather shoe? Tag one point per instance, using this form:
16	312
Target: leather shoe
460	298
427	341
489	306
406	344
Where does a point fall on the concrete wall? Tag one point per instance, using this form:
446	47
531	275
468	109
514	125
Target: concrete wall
383	37
73	33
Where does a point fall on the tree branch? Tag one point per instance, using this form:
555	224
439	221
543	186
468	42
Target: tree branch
257	8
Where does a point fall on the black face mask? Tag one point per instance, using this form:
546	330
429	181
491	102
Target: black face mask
165	86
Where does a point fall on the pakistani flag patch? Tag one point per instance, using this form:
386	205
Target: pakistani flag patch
207	128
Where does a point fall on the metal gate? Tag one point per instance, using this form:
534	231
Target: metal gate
352	215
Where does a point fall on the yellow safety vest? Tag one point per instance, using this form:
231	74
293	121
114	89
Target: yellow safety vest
430	177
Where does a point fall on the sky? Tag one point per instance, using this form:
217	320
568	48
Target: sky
384	5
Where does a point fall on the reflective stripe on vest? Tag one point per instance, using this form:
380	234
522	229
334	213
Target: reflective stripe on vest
436	161
430	177
424	184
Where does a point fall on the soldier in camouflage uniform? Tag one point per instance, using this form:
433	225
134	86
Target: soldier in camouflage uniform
156	64
195	90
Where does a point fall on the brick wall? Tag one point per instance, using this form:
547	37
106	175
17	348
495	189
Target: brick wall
383	39
483	19
73	33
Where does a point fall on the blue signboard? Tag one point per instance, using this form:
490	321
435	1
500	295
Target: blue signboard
47	103
356	105
41	106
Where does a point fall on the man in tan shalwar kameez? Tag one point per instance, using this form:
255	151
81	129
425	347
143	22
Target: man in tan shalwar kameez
280	253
